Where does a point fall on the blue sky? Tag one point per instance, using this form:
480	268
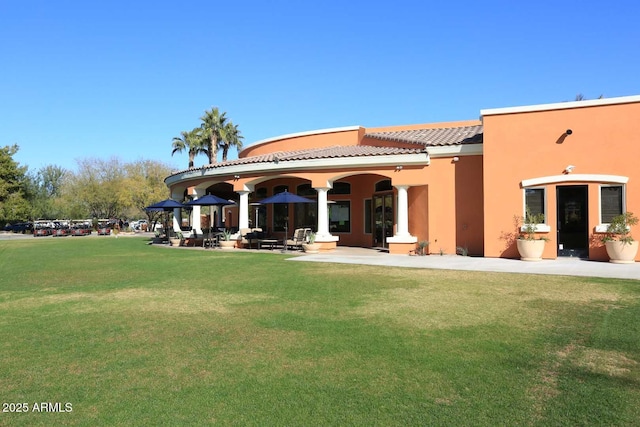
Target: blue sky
85	79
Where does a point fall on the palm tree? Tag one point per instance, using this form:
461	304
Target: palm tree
190	141
233	139
213	131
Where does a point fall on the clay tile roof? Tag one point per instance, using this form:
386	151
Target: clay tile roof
433	137
318	153
423	138
313	153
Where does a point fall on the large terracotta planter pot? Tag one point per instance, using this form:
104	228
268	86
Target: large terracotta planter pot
227	244
530	250
620	252
311	248
174	242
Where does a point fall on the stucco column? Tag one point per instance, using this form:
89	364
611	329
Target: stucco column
323	236
402	235
196	225
402	229
177	213
323	214
243	212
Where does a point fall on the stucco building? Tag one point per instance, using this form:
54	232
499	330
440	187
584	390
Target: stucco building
457	185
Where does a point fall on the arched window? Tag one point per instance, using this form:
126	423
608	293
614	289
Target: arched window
280	189
340	188
384	185
305	190
261	193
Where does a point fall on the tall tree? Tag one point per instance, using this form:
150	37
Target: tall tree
213	130
233	138
192	142
97	189
13	185
45	188
51	178
144	186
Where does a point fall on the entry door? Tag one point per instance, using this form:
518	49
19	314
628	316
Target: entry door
573	220
382	219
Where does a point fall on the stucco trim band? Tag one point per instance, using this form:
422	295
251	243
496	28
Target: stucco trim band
555	179
312	164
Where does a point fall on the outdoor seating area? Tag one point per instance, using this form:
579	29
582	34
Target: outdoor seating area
246	238
227	238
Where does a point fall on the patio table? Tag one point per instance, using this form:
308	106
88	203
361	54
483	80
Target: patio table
272	243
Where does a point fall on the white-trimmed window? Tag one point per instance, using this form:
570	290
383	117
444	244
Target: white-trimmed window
340	216
535	202
611	202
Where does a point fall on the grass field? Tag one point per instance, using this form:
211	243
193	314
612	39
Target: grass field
131	334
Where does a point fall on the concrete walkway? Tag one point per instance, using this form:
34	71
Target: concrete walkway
560	266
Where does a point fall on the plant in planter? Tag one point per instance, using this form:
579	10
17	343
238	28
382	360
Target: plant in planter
176	240
311	246
226	242
621	247
422	247
157	238
530	245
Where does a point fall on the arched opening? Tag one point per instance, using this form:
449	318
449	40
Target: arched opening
382	213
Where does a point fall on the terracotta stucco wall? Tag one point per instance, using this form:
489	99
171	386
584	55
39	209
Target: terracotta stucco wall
468	201
455	205
605	139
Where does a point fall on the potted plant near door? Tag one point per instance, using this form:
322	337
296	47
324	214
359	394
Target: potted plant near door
311	246
226	242
621	247
530	246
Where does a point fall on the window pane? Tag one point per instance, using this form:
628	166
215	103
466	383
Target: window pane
340	188
340	216
367	216
384	185
261	193
306	190
610	202
534	200
305	215
280	189
280	216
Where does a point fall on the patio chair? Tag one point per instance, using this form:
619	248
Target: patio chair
297	240
249	236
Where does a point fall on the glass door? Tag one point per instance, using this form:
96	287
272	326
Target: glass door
573	230
382	219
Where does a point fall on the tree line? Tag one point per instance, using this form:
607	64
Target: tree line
99	189
105	188
216	132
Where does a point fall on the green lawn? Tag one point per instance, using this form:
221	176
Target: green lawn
132	334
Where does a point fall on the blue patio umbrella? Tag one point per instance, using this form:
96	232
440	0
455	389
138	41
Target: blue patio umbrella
166	205
286	197
209	200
